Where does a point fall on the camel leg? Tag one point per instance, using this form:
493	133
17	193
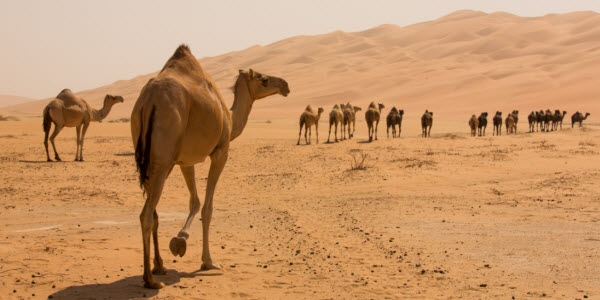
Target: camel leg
376	125
329	133
310	134
57	129
299	134
353	127
159	268
336	131
388	132
46	133
78	130
217	162
154	187
83	131
317	130
349	134
178	244
429	132
306	134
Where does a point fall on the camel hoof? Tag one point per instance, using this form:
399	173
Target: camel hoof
178	246
159	270
58	159
206	267
49	159
154	285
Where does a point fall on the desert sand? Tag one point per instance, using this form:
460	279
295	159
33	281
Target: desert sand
451	216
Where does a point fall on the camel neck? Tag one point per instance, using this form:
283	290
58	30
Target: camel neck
99	115
240	110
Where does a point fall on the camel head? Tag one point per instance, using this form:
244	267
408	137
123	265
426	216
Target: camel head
321	110
564	112
261	85
381	106
401	112
515	112
356	108
485	114
587	114
110	100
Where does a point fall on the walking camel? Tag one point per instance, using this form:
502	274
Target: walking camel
426	122
532	120
497	120
558	119
578	117
548	117
391	121
511	126
335	117
70	110
350	117
180	118
308	119
473	123
372	115
482	123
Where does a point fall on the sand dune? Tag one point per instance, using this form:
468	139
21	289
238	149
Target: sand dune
10	100
456	65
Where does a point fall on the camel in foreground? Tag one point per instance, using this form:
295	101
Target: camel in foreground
578	117
372	115
473	123
532	118
308	119
69	110
511	126
180	118
497	123
336	116
426	122
350	117
482	123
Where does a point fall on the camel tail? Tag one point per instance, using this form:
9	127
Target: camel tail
47	120
142	150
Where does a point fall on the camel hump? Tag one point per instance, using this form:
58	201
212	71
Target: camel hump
394	109
309	108
65	94
373	105
182	51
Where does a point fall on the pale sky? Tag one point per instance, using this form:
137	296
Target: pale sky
50	45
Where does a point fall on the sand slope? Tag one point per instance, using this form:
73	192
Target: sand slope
10	100
462	63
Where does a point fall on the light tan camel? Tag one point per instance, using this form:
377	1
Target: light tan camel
180	118
474	124
350	117
510	124
578	117
69	110
372	115
335	117
426	122
308	119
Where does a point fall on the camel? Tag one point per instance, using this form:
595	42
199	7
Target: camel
497	123
335	117
548	117
515	115
511	126
473	123
180	118
541	116
426	121
482	123
372	115
578	117
350	117
69	110
308	119
558	119
532	118
392	120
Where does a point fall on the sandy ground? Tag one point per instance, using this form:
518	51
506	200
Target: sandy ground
445	217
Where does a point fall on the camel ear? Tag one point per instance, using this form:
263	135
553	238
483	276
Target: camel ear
240	71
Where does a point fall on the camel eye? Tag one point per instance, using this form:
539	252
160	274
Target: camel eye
265	81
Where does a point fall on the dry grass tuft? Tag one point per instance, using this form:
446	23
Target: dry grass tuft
9	118
121	120
359	163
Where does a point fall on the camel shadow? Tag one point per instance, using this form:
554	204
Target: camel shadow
126	288
125	154
364	142
44	161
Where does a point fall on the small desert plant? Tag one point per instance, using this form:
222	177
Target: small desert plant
8	118
269	122
359	163
121	120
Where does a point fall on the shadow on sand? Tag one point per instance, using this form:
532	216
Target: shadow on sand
44	161
125	154
126	288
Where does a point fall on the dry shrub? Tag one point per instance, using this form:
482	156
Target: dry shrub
544	145
121	120
9	118
359	163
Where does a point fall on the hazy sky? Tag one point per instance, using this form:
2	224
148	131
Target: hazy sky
50	45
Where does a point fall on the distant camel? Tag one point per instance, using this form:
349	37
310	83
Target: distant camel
69	110
558	119
426	122
515	115
372	115
511	126
482	123
308	119
335	117
350	117
541	117
548	117
391	120
180	118
578	117
497	123
532	119
473	123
